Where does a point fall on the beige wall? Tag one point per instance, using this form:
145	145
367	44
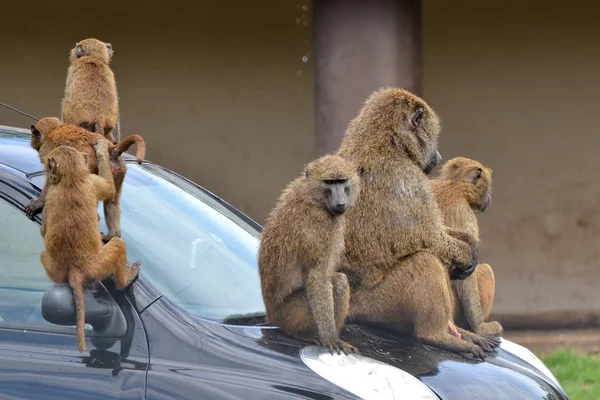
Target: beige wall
222	96
218	89
516	84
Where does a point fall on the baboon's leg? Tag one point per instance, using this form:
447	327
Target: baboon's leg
413	298
113	258
486	283
485	343
469	302
112	209
431	322
58	275
296	318
475	297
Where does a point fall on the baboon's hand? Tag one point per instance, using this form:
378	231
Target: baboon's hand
106	237
492	341
33	208
479	341
337	345
462	274
492	330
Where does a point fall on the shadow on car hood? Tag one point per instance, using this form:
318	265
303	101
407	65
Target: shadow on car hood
502	375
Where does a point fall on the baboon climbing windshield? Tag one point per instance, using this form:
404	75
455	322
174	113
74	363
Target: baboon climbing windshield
194	249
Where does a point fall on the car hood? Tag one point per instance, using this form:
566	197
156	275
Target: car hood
503	375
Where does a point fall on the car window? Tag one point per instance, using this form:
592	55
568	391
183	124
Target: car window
193	249
23	279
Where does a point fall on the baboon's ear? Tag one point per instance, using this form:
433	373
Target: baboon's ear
86	157
474	175
417	117
35	132
305	171
110	49
78	50
51	164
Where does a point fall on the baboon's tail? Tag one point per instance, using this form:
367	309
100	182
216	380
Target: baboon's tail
80	313
126	143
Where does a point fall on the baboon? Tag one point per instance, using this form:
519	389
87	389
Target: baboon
91	99
49	133
73	250
462	189
395	235
299	254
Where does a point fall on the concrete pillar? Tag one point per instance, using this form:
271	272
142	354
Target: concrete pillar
360	46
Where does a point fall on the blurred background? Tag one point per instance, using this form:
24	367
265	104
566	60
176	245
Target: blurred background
237	96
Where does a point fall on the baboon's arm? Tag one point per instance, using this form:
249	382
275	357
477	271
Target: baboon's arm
456	249
319	291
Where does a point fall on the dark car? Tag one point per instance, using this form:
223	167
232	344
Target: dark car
192	326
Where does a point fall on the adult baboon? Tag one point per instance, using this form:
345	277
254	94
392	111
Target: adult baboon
395	234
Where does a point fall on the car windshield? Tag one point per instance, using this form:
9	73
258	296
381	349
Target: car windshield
193	249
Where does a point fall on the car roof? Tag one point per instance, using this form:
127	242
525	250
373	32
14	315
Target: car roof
16	151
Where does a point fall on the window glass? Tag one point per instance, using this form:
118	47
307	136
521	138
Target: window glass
23	279
193	248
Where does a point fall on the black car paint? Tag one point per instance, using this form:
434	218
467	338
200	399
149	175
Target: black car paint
168	353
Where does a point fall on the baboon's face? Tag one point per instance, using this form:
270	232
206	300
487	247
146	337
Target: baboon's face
483	188
92	48
336	195
474	178
434	162
487	201
41	128
332	183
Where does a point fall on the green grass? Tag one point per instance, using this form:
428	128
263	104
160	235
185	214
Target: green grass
578	374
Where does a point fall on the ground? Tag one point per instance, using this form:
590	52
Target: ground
573	356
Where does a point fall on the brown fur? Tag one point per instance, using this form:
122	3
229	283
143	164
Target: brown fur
49	133
73	248
299	254
395	235
462	189
91	99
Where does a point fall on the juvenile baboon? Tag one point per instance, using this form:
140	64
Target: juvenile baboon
91	99
73	250
395	235
49	133
462	189
299	254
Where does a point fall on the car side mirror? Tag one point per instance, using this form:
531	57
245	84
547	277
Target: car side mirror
103	314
